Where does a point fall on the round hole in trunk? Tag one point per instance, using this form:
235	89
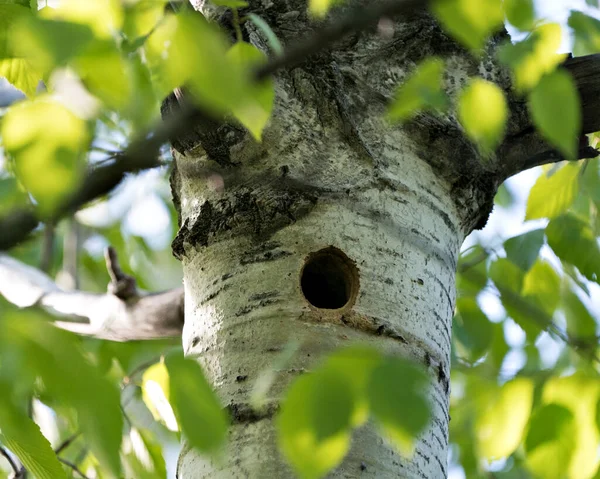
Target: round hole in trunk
329	279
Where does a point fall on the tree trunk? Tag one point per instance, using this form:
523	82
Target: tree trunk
338	228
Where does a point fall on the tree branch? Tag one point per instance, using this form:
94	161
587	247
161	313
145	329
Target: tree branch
106	316
10	460
142	153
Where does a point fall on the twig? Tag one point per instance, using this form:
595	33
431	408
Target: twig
72	466
121	285
66	443
10	460
47	248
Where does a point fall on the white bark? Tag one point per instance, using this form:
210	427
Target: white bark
330	172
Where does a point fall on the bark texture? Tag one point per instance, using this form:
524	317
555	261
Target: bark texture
331	184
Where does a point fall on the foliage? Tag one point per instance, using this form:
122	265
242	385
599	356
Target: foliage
120	59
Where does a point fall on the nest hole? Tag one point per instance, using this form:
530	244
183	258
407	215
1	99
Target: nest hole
329	279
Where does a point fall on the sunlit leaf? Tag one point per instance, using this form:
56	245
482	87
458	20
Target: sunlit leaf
47	142
470	21
556	111
533	57
104	17
200	416
231	3
421	91
255	108
573	241
472	328
49	44
503	417
155	393
313	449
319	8
587	34
483	111
549	443
144	458
552	195
23	438
142	17
579	394
524	249
10	15
397	398
21	74
520	13
541	285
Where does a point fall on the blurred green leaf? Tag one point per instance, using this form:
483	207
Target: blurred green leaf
556	111
319	8
11	196
104	17
524	249
581	325
552	195
520	13
272	39
541	285
533	57
47	143
255	108
504	197
579	394
398	401
472	271
142	16
472	328
502	418
483	111
470	21
201	417
156	392
24	439
231	3
574	242
145	459
549	443
10	15
21	74
421	91
587	34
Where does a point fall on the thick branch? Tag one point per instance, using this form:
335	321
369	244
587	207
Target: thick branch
142	153
104	316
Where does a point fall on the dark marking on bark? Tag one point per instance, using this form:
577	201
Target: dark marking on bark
443	378
256	212
214	294
241	378
265	295
195	341
249	308
243	413
363	466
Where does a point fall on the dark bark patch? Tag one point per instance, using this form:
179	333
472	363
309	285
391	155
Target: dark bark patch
258	213
242	413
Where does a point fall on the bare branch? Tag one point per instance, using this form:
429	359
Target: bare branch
66	443
142	153
104	316
73	467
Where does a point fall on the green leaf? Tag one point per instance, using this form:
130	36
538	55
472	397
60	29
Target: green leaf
21	74
200	416
10	15
105	17
533	57
502	418
470	21
397	398
506	275
472	328
315	421
549	443
23	437
145	461
49	44
231	3
520	13
524	249
422	91
11	195
272	39
255	108
581	325
319	8
552	195
105	74
156	392
573	241
579	394
587	34
472	271
556	111
47	142
483	111
54	356
541	286
142	17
